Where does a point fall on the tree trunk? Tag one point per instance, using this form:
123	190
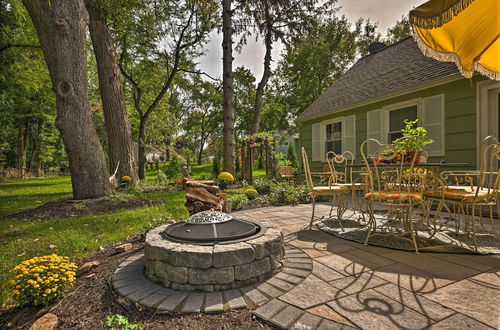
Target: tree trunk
265	77
227	86
22	141
142	149
200	152
115	113
61	28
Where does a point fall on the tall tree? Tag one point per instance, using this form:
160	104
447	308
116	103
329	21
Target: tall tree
279	20
61	28
227	87
205	116
311	63
401	30
244	89
121	153
162	43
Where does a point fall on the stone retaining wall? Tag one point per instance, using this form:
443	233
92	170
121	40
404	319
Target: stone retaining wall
189	267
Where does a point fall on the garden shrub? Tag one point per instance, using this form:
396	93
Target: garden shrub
251	193
173	170
39	280
224	179
238	201
161	177
260	163
262	184
216	165
287	193
292	156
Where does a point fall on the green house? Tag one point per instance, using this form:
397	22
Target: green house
394	83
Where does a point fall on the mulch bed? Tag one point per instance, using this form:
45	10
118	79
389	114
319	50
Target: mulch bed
92	300
65	208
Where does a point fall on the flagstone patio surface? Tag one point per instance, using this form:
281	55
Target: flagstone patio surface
357	286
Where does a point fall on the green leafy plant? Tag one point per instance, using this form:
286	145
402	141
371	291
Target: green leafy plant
216	165
161	177
414	138
173	170
251	193
262	184
118	321
238	201
292	156
287	193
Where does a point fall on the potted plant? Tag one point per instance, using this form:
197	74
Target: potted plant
413	141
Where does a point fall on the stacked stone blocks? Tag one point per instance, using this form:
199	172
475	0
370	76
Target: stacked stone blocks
189	267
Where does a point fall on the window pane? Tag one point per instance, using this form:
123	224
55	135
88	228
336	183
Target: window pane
397	117
333	131
337	146
328	146
394	136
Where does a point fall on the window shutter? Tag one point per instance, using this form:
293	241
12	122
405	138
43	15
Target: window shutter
349	134
316	142
374	128
432	119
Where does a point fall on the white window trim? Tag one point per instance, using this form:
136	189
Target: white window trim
396	106
482	89
323	134
416	101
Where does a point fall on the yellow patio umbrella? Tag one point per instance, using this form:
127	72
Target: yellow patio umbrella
466	32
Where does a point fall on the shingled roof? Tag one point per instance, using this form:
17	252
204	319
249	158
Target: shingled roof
393	69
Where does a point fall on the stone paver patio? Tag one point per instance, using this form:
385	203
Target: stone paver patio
331	283
368	287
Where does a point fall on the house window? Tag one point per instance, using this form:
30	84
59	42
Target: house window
333	137
396	121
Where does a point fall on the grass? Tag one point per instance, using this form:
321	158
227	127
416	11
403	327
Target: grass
75	237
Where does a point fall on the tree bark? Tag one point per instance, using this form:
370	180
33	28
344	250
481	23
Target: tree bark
227	86
61	28
22	141
141	150
115	113
265	76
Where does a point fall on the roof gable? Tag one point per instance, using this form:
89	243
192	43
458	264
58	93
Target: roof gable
395	68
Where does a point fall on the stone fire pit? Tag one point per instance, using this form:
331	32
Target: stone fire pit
213	267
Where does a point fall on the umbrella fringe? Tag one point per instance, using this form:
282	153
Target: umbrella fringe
441	56
452	57
442	18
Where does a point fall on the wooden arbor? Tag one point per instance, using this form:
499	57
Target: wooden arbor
266	146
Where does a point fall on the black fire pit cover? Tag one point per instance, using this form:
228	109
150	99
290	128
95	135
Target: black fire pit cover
211	232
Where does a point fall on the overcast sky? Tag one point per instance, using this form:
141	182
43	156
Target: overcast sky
385	12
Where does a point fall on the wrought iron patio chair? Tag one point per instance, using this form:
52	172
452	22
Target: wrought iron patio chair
471	191
317	191
396	186
344	174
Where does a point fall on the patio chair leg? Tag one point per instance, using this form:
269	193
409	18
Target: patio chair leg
371	223
434	221
332	204
492	220
313	199
409	217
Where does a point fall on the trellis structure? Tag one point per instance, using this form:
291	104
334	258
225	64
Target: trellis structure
247	152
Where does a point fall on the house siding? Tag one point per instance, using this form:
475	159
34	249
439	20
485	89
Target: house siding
460	121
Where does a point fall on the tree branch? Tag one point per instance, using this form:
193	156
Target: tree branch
7	46
198	72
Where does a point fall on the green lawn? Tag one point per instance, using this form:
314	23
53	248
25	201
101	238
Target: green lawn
76	237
